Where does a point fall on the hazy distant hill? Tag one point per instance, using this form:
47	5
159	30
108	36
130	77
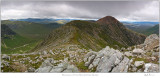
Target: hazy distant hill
139	26
146	28
152	30
43	20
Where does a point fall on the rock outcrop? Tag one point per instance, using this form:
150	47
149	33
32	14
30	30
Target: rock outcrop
139	63
107	60
151	42
49	66
152	68
6	57
144	56
138	51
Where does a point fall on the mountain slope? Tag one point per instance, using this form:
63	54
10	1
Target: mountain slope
118	32
152	30
6	31
30	29
90	35
13	42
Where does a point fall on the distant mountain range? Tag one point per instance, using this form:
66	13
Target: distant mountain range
44	20
140	23
142	27
63	21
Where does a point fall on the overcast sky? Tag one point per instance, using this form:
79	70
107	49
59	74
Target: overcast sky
122	10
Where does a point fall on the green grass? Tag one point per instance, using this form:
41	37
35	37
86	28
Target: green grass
110	41
15	41
94	69
152	30
146	60
30	30
149	54
28	35
18	44
25	49
82	66
130	57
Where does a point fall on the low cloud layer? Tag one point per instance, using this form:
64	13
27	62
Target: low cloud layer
122	10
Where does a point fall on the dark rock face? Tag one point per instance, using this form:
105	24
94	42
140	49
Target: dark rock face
108	20
6	31
118	32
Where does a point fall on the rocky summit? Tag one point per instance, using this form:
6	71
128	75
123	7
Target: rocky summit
118	32
104	46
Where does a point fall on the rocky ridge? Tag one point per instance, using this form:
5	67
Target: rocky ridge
107	31
68	59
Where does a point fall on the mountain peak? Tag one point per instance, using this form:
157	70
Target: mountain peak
107	20
107	31
109	17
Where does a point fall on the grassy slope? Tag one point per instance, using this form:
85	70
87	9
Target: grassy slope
93	37
86	34
30	30
152	30
27	37
17	44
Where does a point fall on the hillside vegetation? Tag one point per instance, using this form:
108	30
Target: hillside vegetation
152	30
31	29
14	43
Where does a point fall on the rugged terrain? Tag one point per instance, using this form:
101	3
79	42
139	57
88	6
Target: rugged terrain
21	36
106	31
70	58
83	46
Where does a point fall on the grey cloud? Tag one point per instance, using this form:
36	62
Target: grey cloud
123	10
